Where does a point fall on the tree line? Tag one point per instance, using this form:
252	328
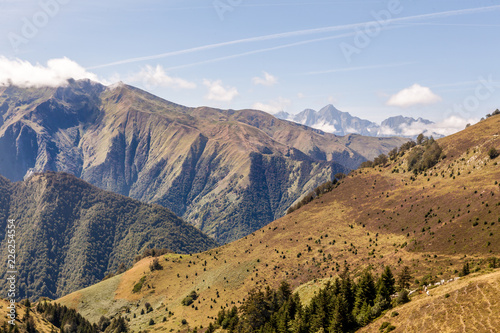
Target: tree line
423	154
343	305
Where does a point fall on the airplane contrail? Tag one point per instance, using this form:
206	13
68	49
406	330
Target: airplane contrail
261	50
350	69
298	33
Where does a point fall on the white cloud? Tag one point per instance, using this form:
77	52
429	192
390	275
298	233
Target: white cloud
268	80
56	73
414	95
300	95
273	106
451	125
325	127
217	92
447	126
157	77
386	130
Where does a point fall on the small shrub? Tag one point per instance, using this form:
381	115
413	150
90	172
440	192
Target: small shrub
493	262
155	265
152	253
380	160
384	325
402	297
493	153
151	322
366	164
148	307
138	285
340	175
190	298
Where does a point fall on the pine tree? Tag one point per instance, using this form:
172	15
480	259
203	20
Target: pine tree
365	291
340	321
404	278
30	326
255	310
465	270
386	285
364	315
385	288
27	312
346	288
420	139
210	329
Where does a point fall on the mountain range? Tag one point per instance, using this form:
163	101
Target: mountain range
227	172
331	120
429	208
435	221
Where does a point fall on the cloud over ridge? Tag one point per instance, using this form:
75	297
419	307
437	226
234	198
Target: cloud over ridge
217	92
156	76
56	73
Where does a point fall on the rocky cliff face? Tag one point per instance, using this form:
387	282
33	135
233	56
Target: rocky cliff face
227	172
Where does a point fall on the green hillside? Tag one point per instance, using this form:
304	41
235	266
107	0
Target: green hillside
70	234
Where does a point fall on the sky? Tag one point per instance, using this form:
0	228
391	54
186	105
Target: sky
374	59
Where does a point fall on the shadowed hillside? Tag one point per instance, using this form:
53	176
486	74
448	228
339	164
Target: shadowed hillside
70	234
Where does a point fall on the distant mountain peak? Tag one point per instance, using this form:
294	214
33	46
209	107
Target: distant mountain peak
331	120
330	108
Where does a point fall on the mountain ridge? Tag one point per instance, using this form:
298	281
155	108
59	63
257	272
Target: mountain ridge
195	161
332	120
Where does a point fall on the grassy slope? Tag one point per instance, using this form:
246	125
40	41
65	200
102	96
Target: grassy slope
376	218
470	304
41	324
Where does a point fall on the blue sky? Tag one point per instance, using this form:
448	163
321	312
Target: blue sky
374	59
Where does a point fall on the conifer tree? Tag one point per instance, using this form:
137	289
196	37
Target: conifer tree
404	278
340	321
365	291
386	283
